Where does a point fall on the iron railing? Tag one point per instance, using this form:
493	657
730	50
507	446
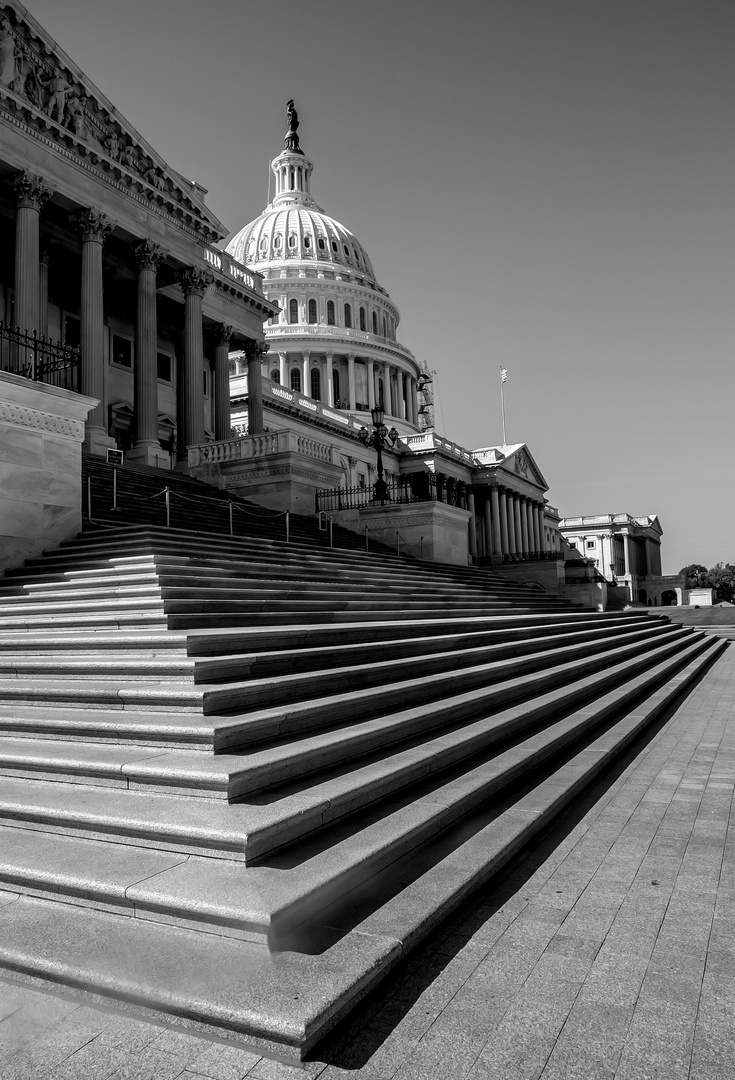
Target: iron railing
420	487
38	358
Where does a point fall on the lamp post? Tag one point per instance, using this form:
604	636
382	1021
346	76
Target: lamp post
378	438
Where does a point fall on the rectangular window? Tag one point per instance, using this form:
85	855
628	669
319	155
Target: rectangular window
204	384
590	543
122	351
163	361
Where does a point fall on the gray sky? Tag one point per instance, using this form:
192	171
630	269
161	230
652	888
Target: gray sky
542	184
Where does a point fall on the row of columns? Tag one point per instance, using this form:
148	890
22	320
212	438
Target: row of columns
512	524
31	293
392	382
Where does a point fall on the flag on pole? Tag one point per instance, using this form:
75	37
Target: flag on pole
503	374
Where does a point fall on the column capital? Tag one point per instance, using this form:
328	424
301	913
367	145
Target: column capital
223	334
329	356
148	255
93	225
30	190
305	353
194	281
256	350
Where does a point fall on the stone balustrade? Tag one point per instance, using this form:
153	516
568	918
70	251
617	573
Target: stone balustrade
261	446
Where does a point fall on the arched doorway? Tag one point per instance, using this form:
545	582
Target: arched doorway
668	598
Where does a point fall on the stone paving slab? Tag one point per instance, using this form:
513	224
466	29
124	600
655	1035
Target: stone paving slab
606	953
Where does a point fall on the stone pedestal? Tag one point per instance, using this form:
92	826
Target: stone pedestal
282	470
433	531
41	435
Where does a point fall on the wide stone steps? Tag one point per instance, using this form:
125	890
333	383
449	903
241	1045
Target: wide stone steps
330	692
252	762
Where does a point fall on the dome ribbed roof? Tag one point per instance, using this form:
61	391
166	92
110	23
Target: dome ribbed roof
283	233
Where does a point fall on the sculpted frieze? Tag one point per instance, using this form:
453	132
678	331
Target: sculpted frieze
56	102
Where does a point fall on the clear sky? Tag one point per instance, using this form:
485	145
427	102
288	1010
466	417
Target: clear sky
545	185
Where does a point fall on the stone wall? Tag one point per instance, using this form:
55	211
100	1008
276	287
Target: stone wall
41	434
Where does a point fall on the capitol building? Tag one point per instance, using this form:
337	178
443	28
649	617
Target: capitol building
334	340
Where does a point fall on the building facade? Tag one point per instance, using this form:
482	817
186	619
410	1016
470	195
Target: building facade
109	257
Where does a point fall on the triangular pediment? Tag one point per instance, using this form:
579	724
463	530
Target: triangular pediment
44	89
515	458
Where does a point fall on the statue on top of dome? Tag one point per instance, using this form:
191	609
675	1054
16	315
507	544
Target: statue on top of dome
292	139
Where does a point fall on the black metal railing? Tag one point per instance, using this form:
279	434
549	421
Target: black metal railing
38	358
421	487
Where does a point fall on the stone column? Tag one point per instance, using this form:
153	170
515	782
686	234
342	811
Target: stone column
305	377
529	516
351	380
194	283
255	352
502	499
495	505
524	524
146	448
541	527
517	525
330	380
412	399
472	522
488	526
31	194
626	554
283	369
371	382
43	293
95	228
222	413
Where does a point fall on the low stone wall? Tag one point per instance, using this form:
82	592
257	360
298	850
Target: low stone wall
548	573
41	434
433	531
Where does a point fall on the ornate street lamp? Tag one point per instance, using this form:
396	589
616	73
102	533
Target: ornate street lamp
378	438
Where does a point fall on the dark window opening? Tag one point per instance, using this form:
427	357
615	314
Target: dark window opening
296	380
122	351
163	363
293	311
348	316
312	311
363	324
316	384
330	312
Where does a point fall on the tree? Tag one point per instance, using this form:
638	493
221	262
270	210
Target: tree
695	574
721	578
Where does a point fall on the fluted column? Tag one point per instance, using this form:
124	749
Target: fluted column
351	381
255	352
194	283
146	447
495	506
529	519
412	400
524	523
488	527
371	382
330	379
537	528
306	375
514	534
542	528
222	417
95	228
473	522
283	369
503	523
31	194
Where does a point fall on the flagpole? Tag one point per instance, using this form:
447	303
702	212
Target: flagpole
502	402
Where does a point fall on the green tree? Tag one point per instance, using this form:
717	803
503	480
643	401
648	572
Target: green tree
721	578
695	574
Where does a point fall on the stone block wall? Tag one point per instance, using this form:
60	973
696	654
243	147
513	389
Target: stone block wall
41	434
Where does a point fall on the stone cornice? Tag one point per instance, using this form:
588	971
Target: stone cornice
41	421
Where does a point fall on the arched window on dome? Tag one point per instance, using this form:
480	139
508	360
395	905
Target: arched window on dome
322	243
312	311
277	241
292	240
335	384
307	242
363	324
330	312
264	243
346	251
335	247
316	384
385	328
293	311
275	375
375	323
348	316
296	380
292	179
381	393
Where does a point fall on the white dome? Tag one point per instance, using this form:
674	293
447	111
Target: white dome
285	233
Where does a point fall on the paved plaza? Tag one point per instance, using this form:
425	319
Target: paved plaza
608	952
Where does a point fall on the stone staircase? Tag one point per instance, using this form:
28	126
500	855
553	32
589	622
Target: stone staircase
241	779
